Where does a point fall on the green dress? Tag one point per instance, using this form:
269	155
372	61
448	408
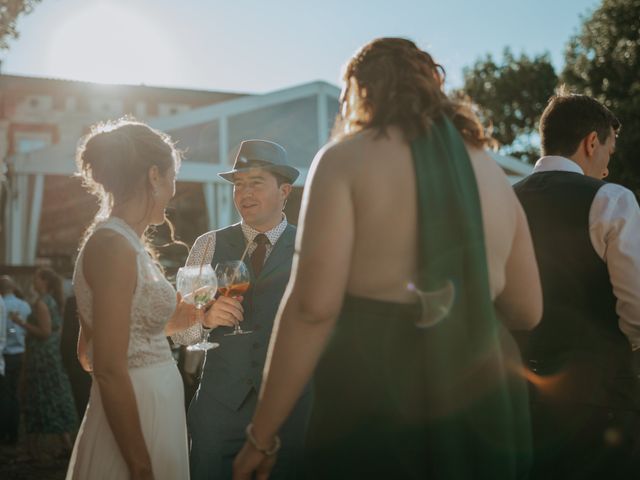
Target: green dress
446	401
48	402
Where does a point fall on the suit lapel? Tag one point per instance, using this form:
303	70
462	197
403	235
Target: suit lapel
281	252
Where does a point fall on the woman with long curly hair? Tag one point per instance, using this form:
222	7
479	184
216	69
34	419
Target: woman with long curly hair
414	258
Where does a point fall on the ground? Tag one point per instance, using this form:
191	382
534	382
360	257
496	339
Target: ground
13	466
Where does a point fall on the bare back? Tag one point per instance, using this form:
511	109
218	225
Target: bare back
381	173
358	231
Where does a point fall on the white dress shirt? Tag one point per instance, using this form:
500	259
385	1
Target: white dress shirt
614	229
205	245
15	333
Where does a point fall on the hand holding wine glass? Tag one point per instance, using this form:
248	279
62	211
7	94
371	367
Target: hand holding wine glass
184	316
198	285
225	312
233	281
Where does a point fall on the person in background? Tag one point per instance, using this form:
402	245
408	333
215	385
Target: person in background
3	341
18	311
586	233
79	378
50	415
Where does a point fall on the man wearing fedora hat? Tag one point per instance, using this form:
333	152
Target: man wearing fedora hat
224	403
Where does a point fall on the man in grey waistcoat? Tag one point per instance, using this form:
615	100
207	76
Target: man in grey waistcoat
225	401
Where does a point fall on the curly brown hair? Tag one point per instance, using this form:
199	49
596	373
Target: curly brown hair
390	81
113	159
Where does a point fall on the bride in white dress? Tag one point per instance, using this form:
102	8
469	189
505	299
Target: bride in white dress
134	426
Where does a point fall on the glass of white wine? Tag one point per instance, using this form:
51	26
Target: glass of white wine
198	285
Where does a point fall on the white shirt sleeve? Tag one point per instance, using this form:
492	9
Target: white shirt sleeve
201	252
614	221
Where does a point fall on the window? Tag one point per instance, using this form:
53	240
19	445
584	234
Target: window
106	106
38	103
28	142
27	137
165	109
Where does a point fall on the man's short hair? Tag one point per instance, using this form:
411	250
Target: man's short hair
569	118
280	179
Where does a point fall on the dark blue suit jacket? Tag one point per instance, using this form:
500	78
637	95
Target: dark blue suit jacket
232	373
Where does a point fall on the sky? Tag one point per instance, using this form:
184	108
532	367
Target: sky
258	46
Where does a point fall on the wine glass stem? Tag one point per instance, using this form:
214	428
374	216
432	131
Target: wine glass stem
199	319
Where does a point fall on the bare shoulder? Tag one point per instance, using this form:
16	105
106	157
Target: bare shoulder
107	252
496	193
350	154
106	242
484	160
335	154
488	171
40	306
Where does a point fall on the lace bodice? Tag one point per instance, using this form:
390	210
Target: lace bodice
153	303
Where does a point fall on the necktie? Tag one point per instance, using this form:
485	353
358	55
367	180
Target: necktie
259	254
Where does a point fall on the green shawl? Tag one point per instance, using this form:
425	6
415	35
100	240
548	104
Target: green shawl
477	396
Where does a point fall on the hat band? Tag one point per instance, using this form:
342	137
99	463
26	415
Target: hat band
252	163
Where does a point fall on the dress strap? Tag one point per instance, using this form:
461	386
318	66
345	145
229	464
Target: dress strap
123	228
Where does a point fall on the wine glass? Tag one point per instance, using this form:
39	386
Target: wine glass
198	286
233	281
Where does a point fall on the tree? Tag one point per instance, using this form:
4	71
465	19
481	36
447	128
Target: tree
603	60
511	96
9	12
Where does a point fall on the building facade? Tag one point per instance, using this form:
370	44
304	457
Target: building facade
44	208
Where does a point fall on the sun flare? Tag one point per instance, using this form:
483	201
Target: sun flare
107	43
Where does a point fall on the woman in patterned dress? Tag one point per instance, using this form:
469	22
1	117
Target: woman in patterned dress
48	401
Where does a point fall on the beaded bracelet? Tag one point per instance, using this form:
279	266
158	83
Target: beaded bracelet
268	452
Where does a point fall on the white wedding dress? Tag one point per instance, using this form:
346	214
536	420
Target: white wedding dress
154	375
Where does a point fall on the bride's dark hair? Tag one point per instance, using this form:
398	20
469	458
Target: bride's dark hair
115	158
390	81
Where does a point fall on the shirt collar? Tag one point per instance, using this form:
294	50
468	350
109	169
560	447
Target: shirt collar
552	163
273	235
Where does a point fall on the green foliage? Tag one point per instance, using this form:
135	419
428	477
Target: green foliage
603	60
511	95
9	12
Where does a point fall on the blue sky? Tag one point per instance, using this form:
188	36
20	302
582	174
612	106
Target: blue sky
265	45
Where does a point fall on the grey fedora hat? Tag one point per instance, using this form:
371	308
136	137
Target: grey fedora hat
262	154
